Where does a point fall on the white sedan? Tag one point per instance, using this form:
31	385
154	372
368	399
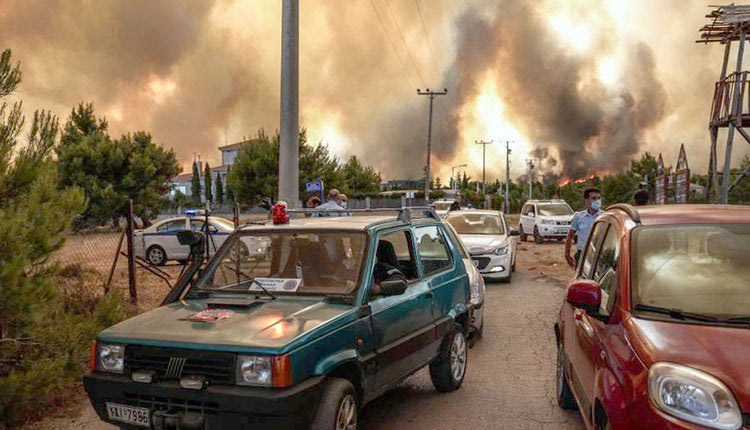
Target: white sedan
490	243
158	243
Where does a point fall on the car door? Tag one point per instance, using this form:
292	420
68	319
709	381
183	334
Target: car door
166	237
522	220
581	327
437	264
401	324
214	238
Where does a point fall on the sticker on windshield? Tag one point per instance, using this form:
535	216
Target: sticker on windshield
211	315
276	284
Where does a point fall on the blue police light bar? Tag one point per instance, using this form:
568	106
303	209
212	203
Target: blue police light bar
195	212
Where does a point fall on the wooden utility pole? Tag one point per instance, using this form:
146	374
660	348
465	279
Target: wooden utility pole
289	129
431	95
507	176
530	163
484	146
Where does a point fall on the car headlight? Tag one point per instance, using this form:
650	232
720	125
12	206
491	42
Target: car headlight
693	396
501	250
254	370
111	358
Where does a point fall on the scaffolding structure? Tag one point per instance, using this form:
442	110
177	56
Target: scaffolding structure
730	107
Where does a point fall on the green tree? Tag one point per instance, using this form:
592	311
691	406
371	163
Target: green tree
740	193
195	185
618	188
41	340
254	176
644	170
438	183
219	189
360	179
207	183
112	171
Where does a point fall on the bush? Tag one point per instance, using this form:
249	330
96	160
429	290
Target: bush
37	369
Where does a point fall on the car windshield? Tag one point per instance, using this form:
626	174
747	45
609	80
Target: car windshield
701	269
442	206
468	223
554	209
296	262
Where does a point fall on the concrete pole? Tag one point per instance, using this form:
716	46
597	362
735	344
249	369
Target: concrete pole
484	145
736	108
289	128
507	176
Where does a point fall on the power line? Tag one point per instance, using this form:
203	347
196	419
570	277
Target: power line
408	52
427	39
393	45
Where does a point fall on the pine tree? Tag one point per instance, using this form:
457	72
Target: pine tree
219	189
195	185
207	183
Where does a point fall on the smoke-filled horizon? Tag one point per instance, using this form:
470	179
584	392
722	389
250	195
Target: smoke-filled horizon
581	86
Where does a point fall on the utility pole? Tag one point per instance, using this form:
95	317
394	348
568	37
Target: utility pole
289	129
530	162
484	145
454	185
507	176
431	95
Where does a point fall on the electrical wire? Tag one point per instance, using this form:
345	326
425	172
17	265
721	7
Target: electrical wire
393	17
393	45
427	38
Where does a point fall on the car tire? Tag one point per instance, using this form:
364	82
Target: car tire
521	236
338	406
509	278
513	266
156	255
448	369
562	389
538	239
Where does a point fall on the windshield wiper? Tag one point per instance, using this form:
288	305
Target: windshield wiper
252	281
676	313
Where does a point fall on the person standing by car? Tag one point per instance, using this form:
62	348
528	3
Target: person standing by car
581	224
332	205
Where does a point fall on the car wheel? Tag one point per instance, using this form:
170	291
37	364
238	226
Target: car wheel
156	255
448	369
564	396
338	406
538	239
521	234
513	266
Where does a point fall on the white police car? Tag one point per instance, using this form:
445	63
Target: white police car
158	243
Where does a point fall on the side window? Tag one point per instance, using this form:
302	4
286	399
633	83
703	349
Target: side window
171	226
459	245
525	210
432	250
201	226
590	252
394	249
605	269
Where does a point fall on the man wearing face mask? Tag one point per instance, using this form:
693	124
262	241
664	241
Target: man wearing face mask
582	223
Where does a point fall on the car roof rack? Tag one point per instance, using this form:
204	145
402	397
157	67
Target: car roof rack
405	213
628	209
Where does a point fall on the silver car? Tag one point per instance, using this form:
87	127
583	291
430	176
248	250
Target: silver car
491	244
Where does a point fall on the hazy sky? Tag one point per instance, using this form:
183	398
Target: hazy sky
582	85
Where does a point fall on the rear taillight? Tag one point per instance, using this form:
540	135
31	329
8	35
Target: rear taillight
282	371
92	355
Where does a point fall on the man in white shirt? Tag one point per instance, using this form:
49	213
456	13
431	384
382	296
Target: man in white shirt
332	205
582	223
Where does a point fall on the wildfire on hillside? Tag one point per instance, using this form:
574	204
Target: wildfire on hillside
577	181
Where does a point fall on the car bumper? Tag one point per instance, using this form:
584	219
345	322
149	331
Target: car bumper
493	266
553	230
218	406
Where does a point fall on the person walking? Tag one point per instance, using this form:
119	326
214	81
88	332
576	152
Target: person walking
581	224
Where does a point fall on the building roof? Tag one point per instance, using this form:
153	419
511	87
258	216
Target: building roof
182	177
237	145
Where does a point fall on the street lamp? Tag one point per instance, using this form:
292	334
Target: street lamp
453	169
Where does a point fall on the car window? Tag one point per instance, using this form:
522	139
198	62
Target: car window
525	210
555	209
452	234
605	269
400	244
433	252
587	258
201	226
172	226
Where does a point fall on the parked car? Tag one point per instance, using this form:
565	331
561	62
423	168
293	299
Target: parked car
545	219
158	243
654	332
476	280
299	339
491	245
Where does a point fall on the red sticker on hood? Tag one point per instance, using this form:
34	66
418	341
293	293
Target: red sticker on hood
210	315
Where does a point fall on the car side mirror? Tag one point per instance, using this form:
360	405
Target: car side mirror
585	294
514	233
393	287
532	214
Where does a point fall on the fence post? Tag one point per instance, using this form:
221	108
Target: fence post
131	257
367	203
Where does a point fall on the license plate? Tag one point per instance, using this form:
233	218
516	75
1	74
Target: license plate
129	414
561	231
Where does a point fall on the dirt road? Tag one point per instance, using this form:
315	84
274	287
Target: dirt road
510	379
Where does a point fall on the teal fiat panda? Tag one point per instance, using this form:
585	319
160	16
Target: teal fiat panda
300	335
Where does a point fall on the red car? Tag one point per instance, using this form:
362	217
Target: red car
654	332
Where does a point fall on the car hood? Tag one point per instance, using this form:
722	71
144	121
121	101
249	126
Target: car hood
267	324
557	217
717	350
479	243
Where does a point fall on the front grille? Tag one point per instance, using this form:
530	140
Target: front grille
481	262
563	222
173	364
173	405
